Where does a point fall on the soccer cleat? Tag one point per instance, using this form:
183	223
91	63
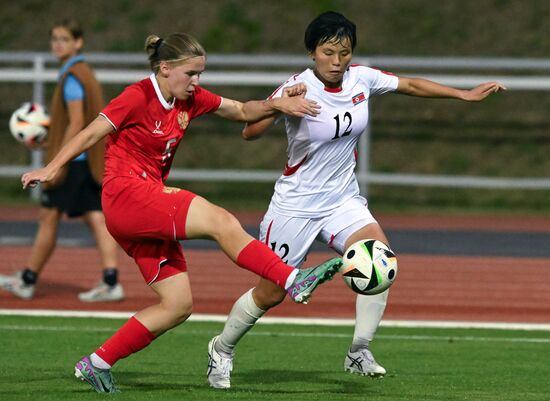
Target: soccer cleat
219	367
307	280
17	286
362	362
101	380
103	293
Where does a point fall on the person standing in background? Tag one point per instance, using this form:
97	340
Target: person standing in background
76	192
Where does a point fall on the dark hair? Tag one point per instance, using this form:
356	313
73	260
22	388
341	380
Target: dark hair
328	27
175	47
70	24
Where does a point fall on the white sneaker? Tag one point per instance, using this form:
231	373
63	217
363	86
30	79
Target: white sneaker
16	285
219	367
363	363
102	293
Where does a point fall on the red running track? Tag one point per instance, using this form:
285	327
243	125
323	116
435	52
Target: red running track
485	289
428	287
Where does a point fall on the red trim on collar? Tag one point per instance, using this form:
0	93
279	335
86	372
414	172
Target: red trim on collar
333	90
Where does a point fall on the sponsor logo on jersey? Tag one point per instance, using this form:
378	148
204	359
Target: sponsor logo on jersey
157	129
359	98
183	119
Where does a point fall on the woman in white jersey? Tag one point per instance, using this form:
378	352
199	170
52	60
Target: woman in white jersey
317	197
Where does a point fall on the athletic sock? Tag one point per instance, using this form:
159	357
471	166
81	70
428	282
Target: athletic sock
369	310
260	259
98	362
242	318
356	347
29	277
110	276
132	337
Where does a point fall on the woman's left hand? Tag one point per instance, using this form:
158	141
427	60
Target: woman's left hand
480	92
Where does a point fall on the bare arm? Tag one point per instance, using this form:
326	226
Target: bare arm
425	88
86	138
75	111
256	110
256	129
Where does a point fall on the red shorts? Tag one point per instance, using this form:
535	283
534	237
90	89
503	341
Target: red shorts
147	219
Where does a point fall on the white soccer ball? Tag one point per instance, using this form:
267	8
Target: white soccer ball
369	267
29	123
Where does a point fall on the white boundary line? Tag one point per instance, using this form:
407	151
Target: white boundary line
291	320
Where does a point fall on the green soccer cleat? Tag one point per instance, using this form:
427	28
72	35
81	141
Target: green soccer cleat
101	380
307	280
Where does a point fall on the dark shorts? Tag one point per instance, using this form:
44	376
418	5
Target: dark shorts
79	193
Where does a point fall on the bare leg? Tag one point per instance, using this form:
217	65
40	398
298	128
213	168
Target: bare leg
106	245
45	239
246	311
140	330
206	220
176	304
369	310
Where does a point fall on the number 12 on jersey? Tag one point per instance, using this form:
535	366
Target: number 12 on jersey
346	120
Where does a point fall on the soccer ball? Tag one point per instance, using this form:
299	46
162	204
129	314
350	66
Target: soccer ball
369	267
29	123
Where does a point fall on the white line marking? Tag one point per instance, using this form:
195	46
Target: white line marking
302	321
446	338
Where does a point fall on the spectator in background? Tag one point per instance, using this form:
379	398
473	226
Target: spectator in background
77	100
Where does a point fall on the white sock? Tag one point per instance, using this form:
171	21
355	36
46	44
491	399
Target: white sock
98	362
242	318
290	279
369	310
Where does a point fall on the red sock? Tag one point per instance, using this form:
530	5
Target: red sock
258	258
131	337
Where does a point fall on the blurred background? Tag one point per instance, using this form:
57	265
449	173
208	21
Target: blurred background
458	42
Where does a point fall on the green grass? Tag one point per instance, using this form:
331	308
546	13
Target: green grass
278	362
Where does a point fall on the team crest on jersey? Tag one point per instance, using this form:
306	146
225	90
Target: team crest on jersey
183	119
359	98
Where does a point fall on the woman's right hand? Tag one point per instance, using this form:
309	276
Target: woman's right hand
34	177
297	106
298	89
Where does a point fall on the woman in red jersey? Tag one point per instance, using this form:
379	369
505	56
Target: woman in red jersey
144	125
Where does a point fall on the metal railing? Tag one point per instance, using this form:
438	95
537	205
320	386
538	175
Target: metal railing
228	70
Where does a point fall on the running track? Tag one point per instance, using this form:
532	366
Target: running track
467	281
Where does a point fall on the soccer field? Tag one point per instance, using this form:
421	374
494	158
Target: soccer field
278	362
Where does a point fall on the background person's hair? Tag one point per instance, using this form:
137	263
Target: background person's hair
70	24
328	27
175	47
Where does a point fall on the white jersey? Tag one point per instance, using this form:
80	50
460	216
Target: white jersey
320	171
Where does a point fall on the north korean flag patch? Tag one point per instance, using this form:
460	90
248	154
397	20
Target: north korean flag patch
360	97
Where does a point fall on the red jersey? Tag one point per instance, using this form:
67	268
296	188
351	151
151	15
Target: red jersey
148	130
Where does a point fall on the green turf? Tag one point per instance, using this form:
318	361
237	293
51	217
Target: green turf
278	362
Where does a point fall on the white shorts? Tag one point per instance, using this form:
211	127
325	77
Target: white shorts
292	237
